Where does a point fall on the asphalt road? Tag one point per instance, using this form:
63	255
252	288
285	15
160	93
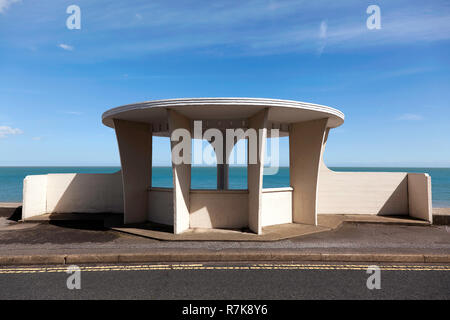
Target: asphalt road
227	281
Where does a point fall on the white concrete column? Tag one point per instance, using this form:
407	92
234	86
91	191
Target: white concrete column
135	148
255	171
181	174
306	143
419	196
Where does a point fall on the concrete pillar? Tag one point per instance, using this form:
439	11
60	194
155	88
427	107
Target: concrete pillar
223	170
306	142
255	172
419	196
181	174
135	148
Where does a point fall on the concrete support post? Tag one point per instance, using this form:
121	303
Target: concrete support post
259	123
419	196
226	176
135	148
223	170
181	172
306	143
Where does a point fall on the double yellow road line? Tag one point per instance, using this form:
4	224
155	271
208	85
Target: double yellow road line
267	266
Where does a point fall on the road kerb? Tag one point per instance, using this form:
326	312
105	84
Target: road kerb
437	258
32	259
91	258
219	257
369	257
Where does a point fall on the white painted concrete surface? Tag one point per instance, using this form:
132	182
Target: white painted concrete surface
160	205
34	196
306	144
419	196
281	111
255	172
218	208
383	193
276	206
181	174
135	148
72	193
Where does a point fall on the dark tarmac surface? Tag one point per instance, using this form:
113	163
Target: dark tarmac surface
227	281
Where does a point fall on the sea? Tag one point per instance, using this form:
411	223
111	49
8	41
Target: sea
11	178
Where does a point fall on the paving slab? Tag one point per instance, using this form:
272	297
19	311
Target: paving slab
326	222
272	233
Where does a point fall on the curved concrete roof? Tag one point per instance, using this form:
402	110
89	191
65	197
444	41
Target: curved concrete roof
280	111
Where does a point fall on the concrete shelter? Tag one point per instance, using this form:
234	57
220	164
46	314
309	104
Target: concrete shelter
314	189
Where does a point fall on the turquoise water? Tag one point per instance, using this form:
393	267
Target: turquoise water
11	178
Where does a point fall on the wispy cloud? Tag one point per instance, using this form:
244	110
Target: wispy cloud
322	36
254	27
405	72
37	138
323	30
74	113
65	47
410	117
243	26
5	4
5	131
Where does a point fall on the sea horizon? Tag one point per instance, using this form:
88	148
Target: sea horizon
214	166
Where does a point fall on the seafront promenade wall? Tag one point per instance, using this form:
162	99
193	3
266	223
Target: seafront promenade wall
67	193
419	200
101	193
377	193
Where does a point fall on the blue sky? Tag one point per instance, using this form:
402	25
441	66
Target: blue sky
392	83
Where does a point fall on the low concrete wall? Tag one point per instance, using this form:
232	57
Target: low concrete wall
419	196
160	205
218	209
66	193
276	206
383	193
34	196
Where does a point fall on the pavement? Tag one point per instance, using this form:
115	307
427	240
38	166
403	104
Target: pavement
326	222
66	242
441	216
230	281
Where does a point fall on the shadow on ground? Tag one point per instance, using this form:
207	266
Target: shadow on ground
80	225
57	233
13	214
16	215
